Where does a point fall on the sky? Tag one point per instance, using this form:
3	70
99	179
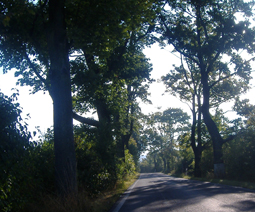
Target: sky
40	107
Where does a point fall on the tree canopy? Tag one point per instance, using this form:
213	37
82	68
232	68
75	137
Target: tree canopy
206	33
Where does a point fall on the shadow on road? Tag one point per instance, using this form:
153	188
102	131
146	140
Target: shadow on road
159	192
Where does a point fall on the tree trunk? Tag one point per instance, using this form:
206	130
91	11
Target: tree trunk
219	170
105	146
196	144
167	166
65	161
123	144
198	172
155	163
104	132
217	140
164	164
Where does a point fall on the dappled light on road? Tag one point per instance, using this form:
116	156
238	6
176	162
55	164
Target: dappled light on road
159	192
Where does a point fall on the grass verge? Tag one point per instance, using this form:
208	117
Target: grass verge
107	199
242	184
82	202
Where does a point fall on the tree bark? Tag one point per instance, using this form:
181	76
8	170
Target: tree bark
65	161
219	171
168	165
196	144
84	120
198	172
164	164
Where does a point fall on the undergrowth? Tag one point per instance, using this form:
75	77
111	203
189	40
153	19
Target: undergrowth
82	202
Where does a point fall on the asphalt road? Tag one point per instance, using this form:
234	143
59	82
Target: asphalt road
159	192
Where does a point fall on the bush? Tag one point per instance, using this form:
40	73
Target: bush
14	155
239	157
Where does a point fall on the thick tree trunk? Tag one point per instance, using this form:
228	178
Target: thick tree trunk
198	172
121	149
105	146
65	161
128	125
123	144
219	171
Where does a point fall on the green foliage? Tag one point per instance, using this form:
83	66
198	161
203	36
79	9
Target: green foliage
27	167
108	72
239	154
127	167
162	132
92	172
209	37
134	151
14	154
96	172
239	157
187	157
207	163
43	163
147	165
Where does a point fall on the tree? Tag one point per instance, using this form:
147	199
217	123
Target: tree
108	77
184	82
151	163
14	154
240	154
205	32
166	127
174	123
24	47
65	162
37	39
113	93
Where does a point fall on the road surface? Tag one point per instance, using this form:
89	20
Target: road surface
160	192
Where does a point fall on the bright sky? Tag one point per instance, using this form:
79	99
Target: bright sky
39	105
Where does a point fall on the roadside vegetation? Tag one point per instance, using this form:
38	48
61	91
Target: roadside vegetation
27	183
177	158
103	201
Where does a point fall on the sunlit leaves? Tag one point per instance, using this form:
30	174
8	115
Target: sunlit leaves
210	28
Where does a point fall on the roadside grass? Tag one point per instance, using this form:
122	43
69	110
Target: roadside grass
242	184
82	203
108	199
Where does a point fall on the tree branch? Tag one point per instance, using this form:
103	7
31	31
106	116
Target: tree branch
84	120
44	81
175	46
229	138
221	79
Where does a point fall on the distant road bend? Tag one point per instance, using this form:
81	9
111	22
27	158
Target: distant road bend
160	192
